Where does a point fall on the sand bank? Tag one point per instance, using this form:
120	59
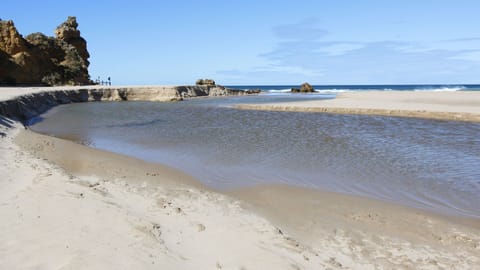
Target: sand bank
67	206
458	106
113	212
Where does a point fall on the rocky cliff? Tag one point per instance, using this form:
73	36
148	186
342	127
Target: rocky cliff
40	59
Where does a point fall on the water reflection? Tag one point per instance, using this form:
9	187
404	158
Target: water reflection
419	162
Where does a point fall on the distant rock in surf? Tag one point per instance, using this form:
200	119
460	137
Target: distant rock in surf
304	88
253	91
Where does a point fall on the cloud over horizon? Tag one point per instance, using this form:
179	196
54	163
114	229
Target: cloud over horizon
305	52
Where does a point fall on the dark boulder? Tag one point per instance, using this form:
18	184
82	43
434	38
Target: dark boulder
304	88
253	91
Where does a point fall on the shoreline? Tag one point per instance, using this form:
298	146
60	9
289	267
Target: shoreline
450	106
153	216
25	103
310	228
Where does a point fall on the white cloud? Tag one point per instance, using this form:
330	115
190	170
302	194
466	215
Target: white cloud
291	70
473	56
337	49
304	53
304	30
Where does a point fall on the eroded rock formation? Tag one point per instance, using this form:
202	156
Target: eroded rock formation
206	82
304	88
40	59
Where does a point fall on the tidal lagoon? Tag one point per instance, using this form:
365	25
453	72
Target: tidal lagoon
423	163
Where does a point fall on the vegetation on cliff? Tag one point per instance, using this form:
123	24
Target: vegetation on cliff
206	82
40	59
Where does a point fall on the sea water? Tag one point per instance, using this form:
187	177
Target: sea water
421	163
333	89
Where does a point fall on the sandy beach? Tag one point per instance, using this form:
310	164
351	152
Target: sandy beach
457	106
98	210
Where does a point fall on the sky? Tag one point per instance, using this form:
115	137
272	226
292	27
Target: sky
269	42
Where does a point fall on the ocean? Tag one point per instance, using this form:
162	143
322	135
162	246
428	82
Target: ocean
278	89
427	164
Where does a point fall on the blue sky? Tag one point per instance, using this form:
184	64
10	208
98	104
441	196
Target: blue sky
269	42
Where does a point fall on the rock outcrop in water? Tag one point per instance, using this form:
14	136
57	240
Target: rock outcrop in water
304	88
38	59
253	91
209	85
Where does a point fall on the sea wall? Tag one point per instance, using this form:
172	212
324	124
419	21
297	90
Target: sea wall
26	106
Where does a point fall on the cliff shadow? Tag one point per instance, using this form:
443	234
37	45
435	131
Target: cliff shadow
5	122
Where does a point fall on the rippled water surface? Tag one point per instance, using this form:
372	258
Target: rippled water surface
423	163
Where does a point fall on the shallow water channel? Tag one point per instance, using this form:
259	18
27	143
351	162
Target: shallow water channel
422	163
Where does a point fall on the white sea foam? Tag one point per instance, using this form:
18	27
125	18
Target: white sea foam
333	90
449	88
442	89
279	91
325	91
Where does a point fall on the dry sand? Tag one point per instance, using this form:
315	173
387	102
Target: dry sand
459	106
67	206
113	212
7	93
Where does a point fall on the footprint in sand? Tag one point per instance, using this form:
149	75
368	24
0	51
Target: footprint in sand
201	227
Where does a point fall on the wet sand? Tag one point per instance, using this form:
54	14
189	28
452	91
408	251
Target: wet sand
457	106
66	206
